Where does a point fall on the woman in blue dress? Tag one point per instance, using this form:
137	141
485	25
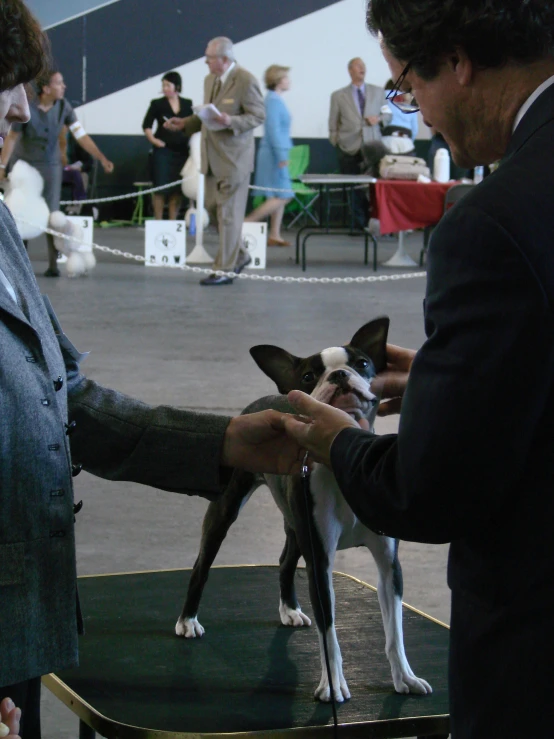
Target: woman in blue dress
272	172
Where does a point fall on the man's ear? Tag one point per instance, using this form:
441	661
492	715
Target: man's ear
277	364
371	339
461	66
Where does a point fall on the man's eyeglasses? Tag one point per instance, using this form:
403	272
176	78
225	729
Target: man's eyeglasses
404	101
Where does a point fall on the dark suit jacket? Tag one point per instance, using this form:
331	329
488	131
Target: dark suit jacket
473	462
116	437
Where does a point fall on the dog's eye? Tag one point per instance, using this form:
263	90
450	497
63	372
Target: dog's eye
308	377
362	364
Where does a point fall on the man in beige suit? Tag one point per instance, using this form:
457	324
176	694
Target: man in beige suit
227	154
354	124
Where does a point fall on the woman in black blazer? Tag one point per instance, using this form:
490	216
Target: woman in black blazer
170	147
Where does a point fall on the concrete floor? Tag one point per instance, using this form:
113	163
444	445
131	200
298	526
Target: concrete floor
157	335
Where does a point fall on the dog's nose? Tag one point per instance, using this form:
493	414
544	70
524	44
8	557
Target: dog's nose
339	374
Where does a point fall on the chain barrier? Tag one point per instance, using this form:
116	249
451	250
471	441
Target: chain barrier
136	193
242	275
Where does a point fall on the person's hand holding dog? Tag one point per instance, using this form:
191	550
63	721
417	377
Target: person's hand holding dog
9	719
257	442
390	384
317	426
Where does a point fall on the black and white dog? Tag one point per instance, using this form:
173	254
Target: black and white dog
340	376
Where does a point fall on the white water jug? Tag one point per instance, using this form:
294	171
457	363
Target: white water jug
441	166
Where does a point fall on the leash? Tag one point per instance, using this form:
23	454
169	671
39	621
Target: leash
305	475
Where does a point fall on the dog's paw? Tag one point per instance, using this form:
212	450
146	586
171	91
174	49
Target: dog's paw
190	628
340	688
293	616
406	682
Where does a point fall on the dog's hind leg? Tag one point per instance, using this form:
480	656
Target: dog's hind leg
289	608
318	549
389	590
220	516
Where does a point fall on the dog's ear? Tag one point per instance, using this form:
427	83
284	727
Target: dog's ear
371	339
277	364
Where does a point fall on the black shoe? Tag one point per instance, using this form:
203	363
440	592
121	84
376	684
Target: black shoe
217	280
242	262
52	272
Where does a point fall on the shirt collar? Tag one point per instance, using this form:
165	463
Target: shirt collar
358	87
530	100
225	74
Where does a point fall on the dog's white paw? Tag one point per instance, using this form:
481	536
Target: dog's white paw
323	691
293	616
190	628
407	682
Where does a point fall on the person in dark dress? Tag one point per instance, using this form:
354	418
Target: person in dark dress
170	147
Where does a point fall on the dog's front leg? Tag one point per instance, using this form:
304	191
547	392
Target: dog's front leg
318	543
389	590
220	516
289	608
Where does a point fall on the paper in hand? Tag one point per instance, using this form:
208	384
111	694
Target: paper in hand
207	114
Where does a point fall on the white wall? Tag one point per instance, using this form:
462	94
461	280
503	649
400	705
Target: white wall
317	47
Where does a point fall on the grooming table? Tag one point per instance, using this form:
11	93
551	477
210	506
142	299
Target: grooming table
248	675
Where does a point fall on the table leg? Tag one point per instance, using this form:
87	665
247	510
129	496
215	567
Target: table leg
400	258
85	732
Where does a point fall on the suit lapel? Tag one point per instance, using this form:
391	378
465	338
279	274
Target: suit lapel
349	94
229	83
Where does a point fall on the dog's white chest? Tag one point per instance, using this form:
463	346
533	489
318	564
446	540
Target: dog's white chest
332	514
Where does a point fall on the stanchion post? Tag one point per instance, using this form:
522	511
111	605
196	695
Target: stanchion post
199	255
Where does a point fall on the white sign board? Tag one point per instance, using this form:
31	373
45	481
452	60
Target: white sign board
164	243
254	240
87	224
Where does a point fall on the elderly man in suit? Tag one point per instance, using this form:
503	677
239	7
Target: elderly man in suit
473	461
354	121
228	153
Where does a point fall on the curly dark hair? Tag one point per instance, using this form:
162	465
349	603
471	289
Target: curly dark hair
24	48
492	32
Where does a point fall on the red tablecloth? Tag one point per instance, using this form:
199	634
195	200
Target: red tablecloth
400	205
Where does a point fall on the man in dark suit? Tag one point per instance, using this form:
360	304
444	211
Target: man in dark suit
473	462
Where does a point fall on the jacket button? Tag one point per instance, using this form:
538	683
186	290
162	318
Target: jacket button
58	384
75	469
57	534
45	401
70	428
54	447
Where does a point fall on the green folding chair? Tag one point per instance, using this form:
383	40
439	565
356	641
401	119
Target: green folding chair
304	196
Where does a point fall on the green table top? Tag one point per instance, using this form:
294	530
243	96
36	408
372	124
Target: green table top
248	673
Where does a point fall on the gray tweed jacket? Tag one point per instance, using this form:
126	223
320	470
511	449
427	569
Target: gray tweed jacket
114	437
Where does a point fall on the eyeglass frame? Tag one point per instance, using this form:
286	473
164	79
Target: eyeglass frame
396	91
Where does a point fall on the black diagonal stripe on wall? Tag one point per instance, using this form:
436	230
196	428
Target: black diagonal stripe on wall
132	40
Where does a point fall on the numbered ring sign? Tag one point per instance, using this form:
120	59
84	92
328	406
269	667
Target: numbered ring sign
254	241
164	243
87	224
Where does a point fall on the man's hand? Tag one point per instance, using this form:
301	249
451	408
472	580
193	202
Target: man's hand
175	124
372	120
258	442
107	166
224	119
9	719
391	383
317	426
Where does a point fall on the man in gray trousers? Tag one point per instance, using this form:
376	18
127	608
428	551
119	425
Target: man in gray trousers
227	153
54	422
